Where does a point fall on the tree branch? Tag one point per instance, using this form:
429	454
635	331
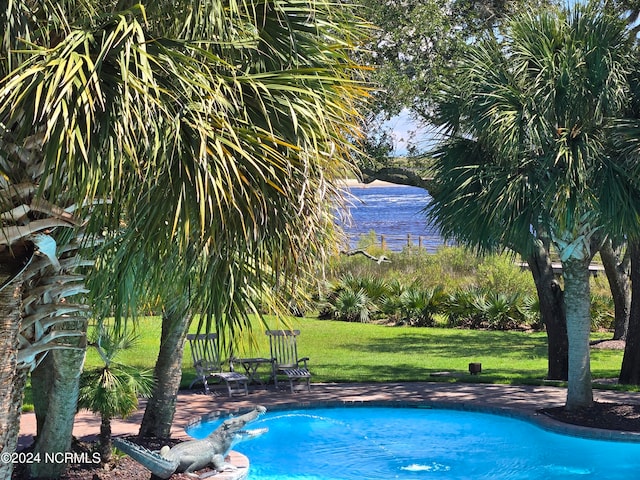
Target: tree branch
397	175
379	260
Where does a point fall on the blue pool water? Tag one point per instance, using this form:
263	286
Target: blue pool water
369	443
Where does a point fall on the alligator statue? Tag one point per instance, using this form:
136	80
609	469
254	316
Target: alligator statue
194	455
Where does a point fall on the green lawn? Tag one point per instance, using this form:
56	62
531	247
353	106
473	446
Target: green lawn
356	352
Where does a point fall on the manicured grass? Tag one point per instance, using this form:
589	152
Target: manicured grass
356	352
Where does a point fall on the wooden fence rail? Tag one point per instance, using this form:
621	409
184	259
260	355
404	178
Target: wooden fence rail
398	242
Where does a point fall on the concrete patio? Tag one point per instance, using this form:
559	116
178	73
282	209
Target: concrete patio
519	401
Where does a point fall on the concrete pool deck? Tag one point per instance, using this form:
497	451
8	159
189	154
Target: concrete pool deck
517	401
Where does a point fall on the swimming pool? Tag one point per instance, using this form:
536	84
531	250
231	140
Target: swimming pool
370	443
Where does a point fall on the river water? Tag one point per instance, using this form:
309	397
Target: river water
393	211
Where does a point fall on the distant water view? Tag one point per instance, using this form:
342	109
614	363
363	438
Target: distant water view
394	212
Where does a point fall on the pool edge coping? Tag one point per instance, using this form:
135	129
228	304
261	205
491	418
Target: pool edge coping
537	418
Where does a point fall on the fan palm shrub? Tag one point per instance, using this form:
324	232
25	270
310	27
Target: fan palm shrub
377	288
353	306
418	305
112	390
531	311
368	291
480	308
464	308
391	304
503	311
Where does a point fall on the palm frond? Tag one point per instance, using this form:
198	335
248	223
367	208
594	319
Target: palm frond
531	117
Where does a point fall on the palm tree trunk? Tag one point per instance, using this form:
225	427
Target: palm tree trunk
578	305
161	407
630	371
10	397
552	314
618	274
55	423
105	440
40	389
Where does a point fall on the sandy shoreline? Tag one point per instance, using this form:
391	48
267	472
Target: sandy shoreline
353	182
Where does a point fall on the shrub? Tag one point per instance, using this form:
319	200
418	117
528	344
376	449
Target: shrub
602	312
503	311
531	311
419	305
500	273
353	299
376	288
456	261
479	308
489	291
450	266
391	303
464	308
369	241
353	305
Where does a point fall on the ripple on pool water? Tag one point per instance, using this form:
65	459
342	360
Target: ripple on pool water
434	467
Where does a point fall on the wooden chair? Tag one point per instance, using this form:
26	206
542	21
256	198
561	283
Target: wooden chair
206	361
284	357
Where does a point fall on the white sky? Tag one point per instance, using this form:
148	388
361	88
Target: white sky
405	129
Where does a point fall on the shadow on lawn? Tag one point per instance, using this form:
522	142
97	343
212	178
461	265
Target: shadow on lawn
327	372
444	351
372	373
457	345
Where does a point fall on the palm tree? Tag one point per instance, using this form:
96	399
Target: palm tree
42	294
205	134
529	150
112	390
285	202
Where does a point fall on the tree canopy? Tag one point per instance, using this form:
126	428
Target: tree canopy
212	125
414	49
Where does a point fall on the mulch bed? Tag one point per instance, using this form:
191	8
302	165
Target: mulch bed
608	416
